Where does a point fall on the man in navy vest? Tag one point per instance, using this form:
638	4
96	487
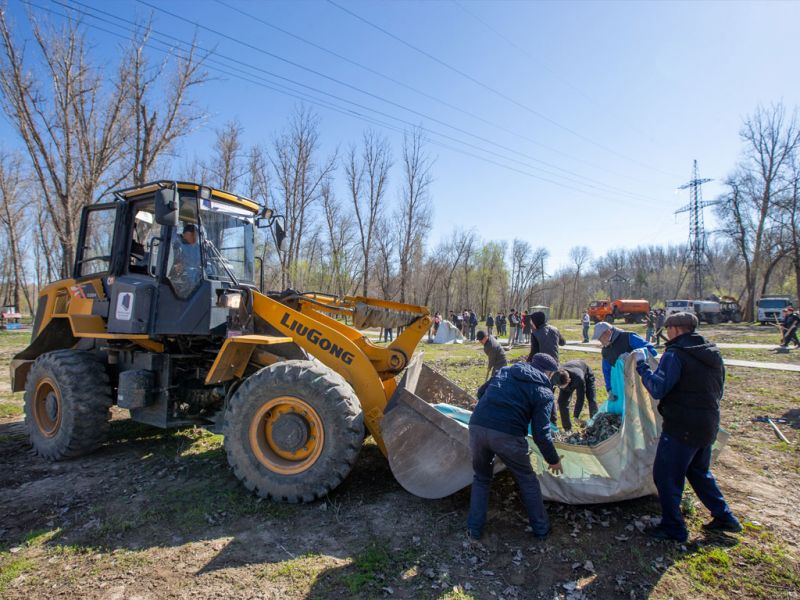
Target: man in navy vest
617	342
688	384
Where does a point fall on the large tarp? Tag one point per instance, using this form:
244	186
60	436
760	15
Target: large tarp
448	334
432	457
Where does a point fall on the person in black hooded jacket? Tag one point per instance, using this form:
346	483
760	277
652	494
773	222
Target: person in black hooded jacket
688	384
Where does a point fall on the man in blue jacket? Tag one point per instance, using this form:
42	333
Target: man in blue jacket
617	342
688	384
516	397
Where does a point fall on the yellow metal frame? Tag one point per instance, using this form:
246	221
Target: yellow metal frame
149	189
370	369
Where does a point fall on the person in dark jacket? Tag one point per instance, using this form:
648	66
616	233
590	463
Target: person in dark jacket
616	342
517	397
581	381
490	324
473	323
495	352
789	328
688	384
527	327
544	337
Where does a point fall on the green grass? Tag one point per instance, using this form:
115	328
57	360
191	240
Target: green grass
757	567
301	570
11	409
12	567
366	568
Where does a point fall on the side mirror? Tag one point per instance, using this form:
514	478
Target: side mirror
264	220
168	206
280	233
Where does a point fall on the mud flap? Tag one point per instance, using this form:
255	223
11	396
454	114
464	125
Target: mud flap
428	451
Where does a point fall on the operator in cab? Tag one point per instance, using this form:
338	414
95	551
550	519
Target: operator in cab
186	269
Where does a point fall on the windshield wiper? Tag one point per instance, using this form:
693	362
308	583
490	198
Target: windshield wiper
222	261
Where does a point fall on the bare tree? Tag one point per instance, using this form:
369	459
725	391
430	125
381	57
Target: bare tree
367	175
340	234
158	102
451	256
74	132
580	256
225	166
771	138
414	211
13	202
298	181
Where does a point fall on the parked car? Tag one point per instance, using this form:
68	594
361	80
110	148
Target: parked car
675	306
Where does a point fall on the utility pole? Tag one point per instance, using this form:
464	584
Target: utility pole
697	233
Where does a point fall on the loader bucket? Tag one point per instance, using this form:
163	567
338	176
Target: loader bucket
428	451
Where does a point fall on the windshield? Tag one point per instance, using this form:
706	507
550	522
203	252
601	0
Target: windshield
228	241
678	303
773	303
596	303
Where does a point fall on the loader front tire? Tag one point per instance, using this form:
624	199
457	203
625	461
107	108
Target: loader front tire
67	402
293	431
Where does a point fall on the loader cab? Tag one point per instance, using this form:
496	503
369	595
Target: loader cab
169	261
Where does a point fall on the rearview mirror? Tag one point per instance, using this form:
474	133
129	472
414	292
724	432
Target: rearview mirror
167	207
280	233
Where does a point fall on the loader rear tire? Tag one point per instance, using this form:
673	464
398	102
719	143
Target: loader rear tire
293	431
67	402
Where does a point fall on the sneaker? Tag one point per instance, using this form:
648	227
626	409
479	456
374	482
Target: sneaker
473	537
660	533
541	536
731	525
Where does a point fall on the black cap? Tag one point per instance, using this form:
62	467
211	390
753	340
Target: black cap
682	319
480	335
189	228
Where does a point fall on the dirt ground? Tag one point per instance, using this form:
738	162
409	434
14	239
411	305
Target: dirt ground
157	514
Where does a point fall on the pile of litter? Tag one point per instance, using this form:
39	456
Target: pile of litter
604	426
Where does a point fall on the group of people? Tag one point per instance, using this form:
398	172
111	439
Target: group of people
688	384
466	322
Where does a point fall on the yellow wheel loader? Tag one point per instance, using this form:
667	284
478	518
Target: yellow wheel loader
164	317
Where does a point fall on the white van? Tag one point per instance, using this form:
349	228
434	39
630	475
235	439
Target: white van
770	308
676	306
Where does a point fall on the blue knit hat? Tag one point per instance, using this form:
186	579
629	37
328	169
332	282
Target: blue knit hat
544	362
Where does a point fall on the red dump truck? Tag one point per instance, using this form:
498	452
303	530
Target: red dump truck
633	311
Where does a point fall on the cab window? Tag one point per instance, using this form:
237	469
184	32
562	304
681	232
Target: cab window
184	266
143	231
98	238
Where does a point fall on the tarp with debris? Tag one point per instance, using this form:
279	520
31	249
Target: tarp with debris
448	334
429	451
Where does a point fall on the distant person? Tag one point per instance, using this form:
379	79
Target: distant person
544	338
515	399
473	323
437	321
494	351
789	327
616	342
586	321
689	384
526	327
388	335
513	323
580	379
650	321
661	318
489	323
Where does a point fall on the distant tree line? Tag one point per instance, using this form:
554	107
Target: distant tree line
358	219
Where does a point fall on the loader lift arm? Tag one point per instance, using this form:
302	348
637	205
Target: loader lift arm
368	368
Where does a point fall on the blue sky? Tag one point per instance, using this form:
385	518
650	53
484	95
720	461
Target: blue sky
589	113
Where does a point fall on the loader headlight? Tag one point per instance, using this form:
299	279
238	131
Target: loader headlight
233	301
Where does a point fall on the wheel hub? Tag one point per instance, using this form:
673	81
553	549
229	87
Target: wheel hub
286	435
290	432
51	406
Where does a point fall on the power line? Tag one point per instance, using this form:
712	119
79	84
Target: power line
553	72
422	93
331	106
575	178
491	89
